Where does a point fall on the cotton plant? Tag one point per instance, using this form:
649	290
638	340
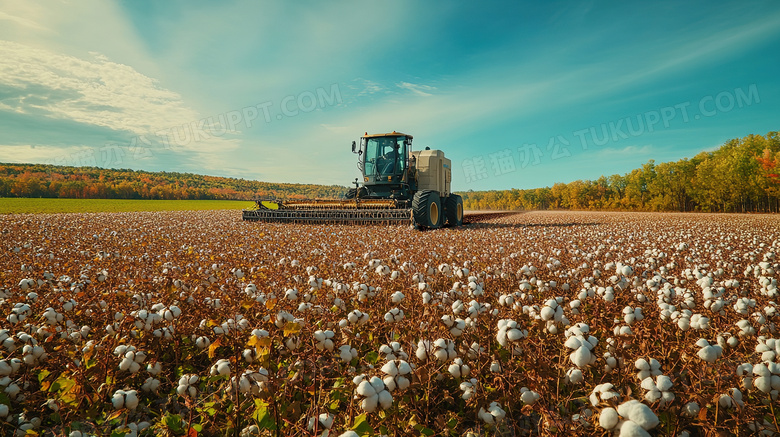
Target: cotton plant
188	385
769	348
766	378
10	366
440	349
33	355
393	351
469	388
250	382
631	315
347	353
647	368
150	385
459	369
552	314
708	352
324	339
493	415
529	396
603	393
581	346
395	315
731	399
324	422
658	390
372	393
125	399
631	418
510	334
220	368
397	373
131	358
455	326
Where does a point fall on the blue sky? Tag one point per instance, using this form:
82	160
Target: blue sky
517	94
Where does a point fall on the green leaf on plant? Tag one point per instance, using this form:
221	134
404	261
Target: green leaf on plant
372	357
423	430
264	419
42	375
173	423
361	426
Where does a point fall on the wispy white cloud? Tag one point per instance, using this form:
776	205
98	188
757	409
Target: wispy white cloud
92	91
633	150
420	90
22	21
369	87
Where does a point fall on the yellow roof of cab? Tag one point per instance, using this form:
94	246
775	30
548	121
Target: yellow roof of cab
391	134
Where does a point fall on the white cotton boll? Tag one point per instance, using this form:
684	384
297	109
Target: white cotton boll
763	383
631	429
663	382
573	342
347	353
397	297
691	409
365	389
649	384
608	418
581	357
125	363
370	403
390	368
642	415
528	396
653	395
710	353
575	376
642	364
385	399
547	313
775	382
131	399
118	399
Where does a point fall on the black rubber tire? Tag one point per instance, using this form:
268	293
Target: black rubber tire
350	194
453	210
356	193
426	209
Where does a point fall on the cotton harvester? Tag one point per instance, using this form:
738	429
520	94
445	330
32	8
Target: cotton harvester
399	186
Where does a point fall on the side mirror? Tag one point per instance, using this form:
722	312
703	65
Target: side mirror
354	146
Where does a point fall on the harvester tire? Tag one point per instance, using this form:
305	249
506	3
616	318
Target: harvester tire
426	209
453	209
353	193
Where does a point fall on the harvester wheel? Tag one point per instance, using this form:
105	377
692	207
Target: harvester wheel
454	210
350	194
353	193
426	209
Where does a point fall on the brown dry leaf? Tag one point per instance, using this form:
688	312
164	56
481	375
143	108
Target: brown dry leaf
213	347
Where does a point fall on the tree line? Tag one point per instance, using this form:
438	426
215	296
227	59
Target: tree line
740	176
743	175
43	180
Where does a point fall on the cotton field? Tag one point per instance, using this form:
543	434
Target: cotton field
543	323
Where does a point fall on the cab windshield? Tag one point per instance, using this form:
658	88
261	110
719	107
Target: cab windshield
385	156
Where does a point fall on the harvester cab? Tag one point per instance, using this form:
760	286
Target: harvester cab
399	186
385	164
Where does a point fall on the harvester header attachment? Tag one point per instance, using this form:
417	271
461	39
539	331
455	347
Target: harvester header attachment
354	211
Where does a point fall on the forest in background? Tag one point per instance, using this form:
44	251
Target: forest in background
740	176
42	180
